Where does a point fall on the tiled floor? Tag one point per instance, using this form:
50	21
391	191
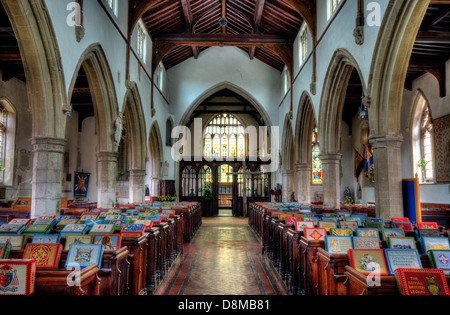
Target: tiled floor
224	258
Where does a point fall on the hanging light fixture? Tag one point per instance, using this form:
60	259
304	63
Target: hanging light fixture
363	113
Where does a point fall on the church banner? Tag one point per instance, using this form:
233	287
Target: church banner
81	185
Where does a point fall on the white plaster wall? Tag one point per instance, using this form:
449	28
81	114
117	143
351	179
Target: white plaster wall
88	155
192	78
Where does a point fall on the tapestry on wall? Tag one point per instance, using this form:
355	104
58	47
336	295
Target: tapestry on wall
442	148
80	189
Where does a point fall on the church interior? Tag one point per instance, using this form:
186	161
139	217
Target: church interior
224	147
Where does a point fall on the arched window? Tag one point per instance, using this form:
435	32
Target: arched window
422	141
169	127
224	137
316	162
7	142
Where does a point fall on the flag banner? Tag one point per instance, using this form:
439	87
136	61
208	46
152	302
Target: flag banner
359	165
81	185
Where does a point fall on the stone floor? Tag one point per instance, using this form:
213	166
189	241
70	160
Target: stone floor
224	258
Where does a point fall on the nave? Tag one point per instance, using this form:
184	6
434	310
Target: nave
224	258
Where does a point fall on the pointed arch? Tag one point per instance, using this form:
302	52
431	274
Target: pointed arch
306	120
392	54
133	116
41	59
156	156
333	99
103	94
232	87
288	152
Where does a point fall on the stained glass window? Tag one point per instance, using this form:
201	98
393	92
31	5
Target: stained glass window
224	137
224	177
316	162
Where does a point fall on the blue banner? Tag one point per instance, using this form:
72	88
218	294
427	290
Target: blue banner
81	185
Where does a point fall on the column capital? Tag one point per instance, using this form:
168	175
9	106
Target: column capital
107	156
385	141
286	172
330	158
137	172
306	167
48	144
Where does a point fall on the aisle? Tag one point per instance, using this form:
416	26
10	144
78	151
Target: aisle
224	258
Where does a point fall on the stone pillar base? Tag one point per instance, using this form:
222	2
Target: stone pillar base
137	186
47	176
304	183
331	180
388	175
107	174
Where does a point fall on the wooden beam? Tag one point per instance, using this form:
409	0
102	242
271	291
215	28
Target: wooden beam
208	40
186	5
257	29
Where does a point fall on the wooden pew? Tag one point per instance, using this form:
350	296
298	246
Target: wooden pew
138	259
293	240
309	267
331	273
54	282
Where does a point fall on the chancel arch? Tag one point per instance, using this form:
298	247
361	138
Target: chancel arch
227	150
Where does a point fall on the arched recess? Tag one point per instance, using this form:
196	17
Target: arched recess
107	122
332	104
134	128
103	94
47	99
305	123
392	53
156	155
288	160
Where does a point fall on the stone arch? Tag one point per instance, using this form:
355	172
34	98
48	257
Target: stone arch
47	99
288	160
225	85
133	116
332	104
156	157
42	64
103	93
333	98
306	120
134	122
392	53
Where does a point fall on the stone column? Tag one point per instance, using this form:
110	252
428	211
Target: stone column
106	178
137	186
331	180
47	176
388	175
154	192
303	183
286	180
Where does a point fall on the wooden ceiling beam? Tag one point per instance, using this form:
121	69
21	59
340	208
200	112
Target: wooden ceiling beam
259	9
186	5
242	40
